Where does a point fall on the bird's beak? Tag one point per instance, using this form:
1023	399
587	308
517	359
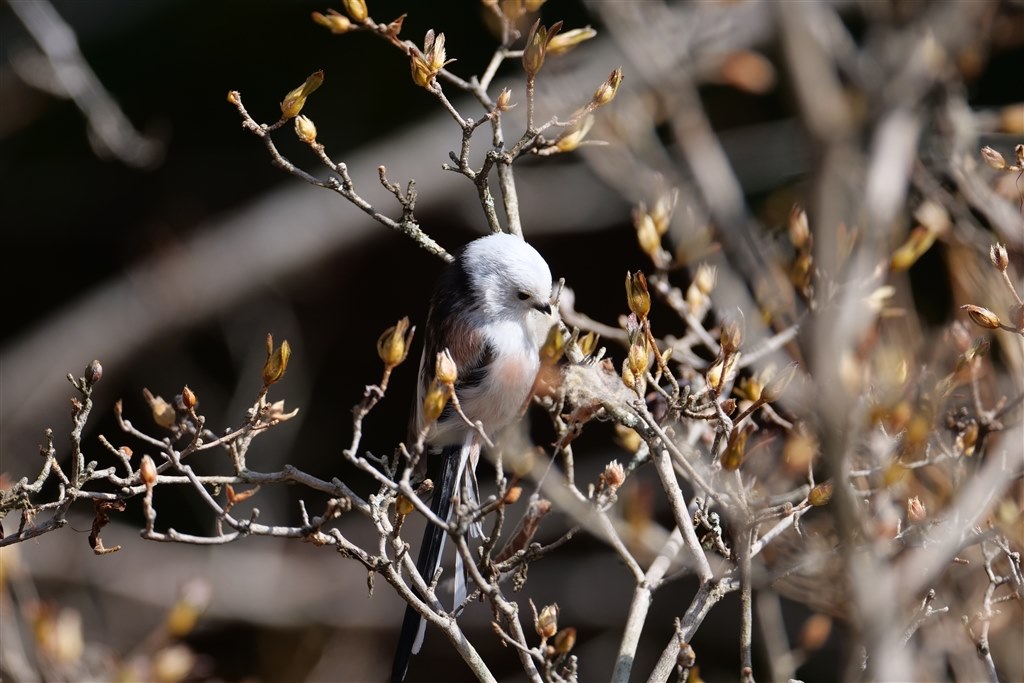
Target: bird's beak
544	308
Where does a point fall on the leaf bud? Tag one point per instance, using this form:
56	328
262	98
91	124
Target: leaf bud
554	346
504	101
1000	259
638	358
993	158
571	138
393	344
799	228
662	211
536	47
93	372
293	102
614	475
774	387
163	412
735	450
605	92
730	337
512	495
588	343
821	494
434	402
445	369
356	9
403	505
637	295
333	21
188	398
982	317
305	129
277	362
147	471
547	621
565	640
564	42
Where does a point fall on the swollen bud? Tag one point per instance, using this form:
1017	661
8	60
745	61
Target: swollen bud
434	402
188	398
605	93
147	471
982	317
305	129
637	295
356	9
277	361
444	369
393	345
333	21
293	102
565	640
997	253
821	494
546	624
93	372
993	158
564	42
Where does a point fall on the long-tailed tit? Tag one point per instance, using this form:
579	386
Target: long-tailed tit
492	311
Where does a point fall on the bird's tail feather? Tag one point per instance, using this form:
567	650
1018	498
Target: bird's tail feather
411	638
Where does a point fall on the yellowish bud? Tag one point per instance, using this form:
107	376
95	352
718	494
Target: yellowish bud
427	64
706	278
627	438
588	343
663	209
434	402
735	450
564	42
421	75
646	231
444	369
565	640
821	494
605	92
293	102
637	295
547	621
982	317
356	9
393	345
403	505
334	21
277	362
305	129
554	346
162	411
571	138
638	358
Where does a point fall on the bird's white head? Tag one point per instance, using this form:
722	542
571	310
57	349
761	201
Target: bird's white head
512	278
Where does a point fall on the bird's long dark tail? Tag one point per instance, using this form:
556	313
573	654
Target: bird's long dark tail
429	557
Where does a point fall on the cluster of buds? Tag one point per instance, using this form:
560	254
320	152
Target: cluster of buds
537	41
294	101
427	64
276	363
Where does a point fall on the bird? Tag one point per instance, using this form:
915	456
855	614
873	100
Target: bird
491	310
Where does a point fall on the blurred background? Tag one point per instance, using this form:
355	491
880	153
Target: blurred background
155	235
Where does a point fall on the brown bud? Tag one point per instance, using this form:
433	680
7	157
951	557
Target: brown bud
536	47
637	295
188	398
356	9
305	129
333	21
735	450
565	640
638	357
504	101
982	317
403	505
547	621
512	495
147	471
915	510
614	475
730	337
434	402
821	494
1000	259
394	343
1018	153
774	387
93	372
293	102
277	362
605	92
993	158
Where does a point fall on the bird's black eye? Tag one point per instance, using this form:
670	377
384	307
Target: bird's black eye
523	296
